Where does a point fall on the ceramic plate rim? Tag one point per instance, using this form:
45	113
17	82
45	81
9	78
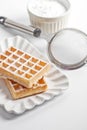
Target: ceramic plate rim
52	94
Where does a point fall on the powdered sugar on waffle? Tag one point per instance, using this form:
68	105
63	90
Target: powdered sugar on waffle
22	67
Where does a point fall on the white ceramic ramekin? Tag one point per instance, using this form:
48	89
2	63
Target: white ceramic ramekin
53	24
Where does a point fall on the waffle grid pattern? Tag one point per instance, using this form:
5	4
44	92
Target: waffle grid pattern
22	67
18	91
18	88
21	63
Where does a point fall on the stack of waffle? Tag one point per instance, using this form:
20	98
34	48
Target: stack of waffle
23	73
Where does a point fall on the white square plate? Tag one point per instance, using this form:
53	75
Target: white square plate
56	81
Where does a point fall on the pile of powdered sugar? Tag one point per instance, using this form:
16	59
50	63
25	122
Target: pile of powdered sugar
46	8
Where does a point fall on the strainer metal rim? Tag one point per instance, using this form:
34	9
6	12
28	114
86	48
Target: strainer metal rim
60	64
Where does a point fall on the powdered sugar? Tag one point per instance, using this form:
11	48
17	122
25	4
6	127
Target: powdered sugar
46	8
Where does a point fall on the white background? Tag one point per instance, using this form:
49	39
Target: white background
67	112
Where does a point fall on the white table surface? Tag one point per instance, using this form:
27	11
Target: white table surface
66	112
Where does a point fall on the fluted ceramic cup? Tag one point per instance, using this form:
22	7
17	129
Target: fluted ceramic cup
53	24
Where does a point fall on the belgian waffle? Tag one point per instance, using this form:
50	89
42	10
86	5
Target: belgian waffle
18	91
21	67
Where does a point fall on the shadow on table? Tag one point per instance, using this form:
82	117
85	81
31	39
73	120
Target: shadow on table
6	115
46	105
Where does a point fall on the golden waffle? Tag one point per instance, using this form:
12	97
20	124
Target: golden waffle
18	91
21	67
